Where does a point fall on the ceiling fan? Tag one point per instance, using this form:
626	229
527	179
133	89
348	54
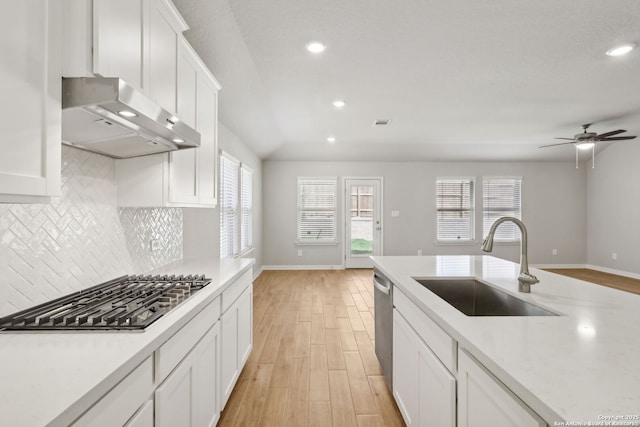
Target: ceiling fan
587	140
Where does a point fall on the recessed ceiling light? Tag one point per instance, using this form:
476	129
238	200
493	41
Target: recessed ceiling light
315	47
585	145
177	140
331	139
621	50
338	103
127	113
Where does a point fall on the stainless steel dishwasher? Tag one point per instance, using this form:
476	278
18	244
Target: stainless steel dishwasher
383	304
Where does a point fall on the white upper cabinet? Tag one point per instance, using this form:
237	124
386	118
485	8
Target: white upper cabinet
140	41
184	177
117	39
135	40
161	52
30	84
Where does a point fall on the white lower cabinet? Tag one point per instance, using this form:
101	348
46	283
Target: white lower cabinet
188	397
436	383
423	388
237	333
144	416
484	401
124	402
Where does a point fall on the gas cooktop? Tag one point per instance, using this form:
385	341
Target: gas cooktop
126	303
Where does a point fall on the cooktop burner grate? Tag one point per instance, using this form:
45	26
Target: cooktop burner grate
125	303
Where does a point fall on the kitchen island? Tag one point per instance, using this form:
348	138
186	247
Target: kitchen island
53	378
577	367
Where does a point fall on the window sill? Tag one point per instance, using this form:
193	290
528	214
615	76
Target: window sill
246	252
319	243
506	242
456	242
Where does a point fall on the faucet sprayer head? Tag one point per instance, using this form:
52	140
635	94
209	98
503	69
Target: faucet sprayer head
487	245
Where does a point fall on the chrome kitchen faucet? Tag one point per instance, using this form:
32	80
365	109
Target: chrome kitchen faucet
525	279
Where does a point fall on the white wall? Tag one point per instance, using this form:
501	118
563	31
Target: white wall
202	226
554	202
613	208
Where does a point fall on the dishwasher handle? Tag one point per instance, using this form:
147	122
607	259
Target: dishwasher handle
379	286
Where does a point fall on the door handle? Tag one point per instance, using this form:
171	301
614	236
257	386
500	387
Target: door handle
380	287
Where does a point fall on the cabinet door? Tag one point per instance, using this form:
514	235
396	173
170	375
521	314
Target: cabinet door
422	386
405	365
30	83
117	39
144	416
229	352
245	326
206	367
173	397
437	390
483	400
207	125
183	165
164	24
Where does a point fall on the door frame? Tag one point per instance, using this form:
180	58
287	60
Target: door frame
346	238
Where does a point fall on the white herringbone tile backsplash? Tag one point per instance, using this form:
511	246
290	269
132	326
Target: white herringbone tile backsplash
82	238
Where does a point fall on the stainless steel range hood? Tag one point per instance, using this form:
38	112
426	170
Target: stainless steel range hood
110	117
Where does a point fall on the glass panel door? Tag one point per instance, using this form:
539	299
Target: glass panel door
363	229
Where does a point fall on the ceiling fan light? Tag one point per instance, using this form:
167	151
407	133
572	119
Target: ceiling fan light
585	145
621	50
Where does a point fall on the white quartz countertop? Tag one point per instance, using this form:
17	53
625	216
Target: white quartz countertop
577	367
51	378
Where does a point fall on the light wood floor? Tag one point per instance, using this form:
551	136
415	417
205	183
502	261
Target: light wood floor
605	279
313	361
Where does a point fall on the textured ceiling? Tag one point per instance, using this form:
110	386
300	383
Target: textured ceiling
460	80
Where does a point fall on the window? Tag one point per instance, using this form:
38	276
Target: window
229	168
501	197
317	210
236	207
455	205
246	208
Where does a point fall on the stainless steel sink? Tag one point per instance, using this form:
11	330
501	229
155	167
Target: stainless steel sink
474	298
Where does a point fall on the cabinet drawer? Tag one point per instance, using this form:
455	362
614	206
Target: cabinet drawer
176	348
438	340
235	290
119	404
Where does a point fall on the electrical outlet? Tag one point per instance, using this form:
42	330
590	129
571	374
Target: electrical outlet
154	245
299	252
419	252
395	214
614	256
554	252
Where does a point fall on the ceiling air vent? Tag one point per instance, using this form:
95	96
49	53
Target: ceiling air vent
382	122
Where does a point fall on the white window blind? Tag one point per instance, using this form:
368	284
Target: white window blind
246	208
455	209
502	197
317	210
229	233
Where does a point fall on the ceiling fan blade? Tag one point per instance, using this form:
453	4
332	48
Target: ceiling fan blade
553	145
608	134
617	138
568	139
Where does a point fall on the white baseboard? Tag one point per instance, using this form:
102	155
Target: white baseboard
613	271
558	265
302	267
